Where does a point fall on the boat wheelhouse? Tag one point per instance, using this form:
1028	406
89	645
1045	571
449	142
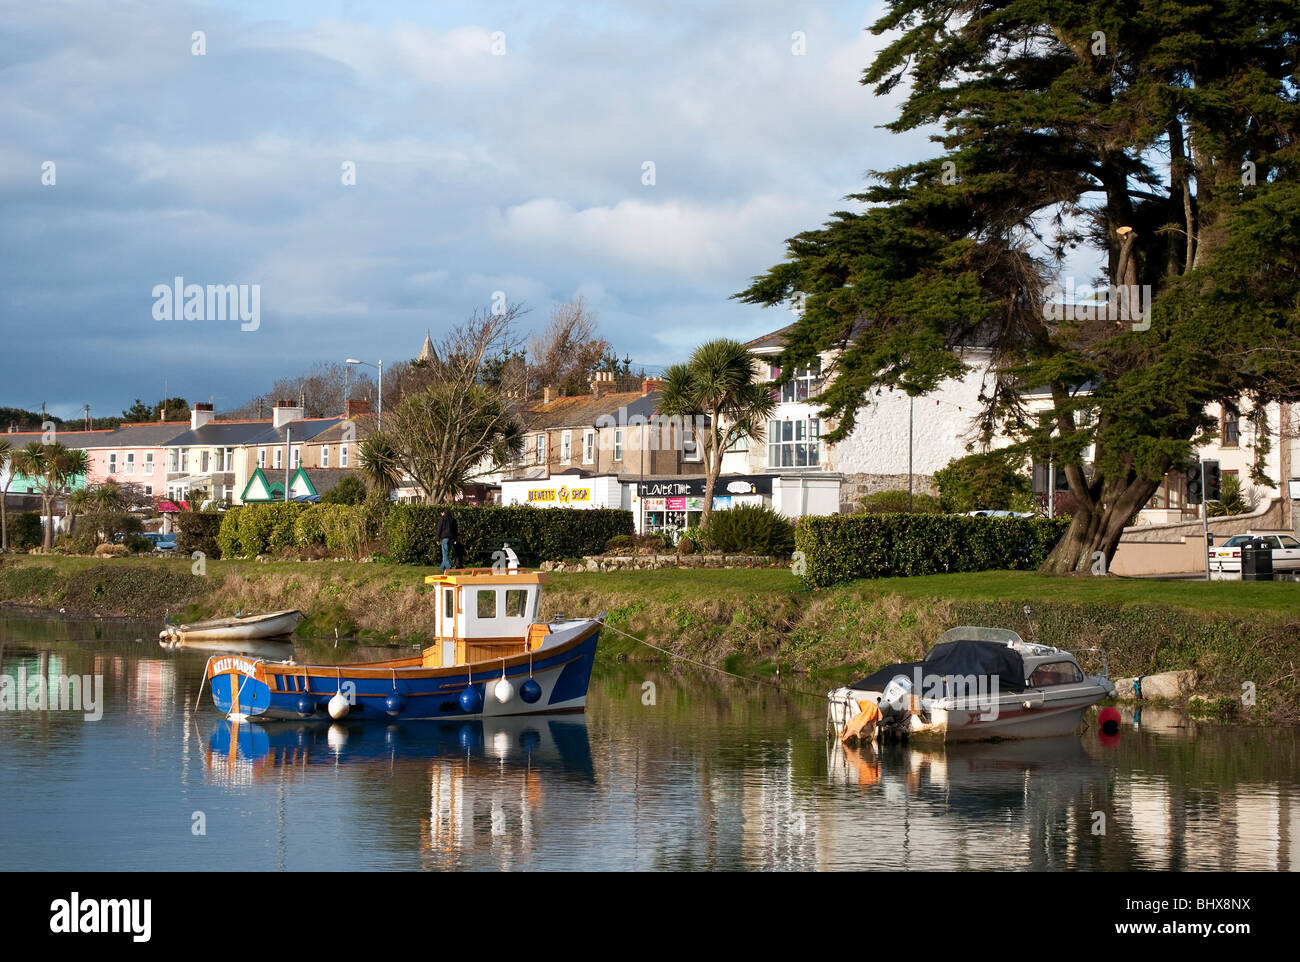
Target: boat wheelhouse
491	656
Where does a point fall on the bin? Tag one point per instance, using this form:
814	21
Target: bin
1257	561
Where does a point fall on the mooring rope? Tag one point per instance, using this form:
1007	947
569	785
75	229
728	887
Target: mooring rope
822	696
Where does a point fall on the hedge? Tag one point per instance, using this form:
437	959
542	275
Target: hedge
535	534
197	531
840	548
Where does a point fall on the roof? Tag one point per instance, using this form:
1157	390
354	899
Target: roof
775	340
149	434
69	439
323	479
583	410
231	433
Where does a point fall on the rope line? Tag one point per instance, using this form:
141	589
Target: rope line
821	696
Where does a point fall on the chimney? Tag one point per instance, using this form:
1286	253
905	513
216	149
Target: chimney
201	415
602	383
650	384
548	395
284	412
354	406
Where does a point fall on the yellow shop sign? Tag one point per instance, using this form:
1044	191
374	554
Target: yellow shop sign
564	495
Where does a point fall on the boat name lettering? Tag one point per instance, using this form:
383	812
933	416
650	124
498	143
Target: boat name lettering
241	665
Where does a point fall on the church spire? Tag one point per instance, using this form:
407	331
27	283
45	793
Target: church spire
427	352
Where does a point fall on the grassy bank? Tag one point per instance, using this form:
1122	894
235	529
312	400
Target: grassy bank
752	620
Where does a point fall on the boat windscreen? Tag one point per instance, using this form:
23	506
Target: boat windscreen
947	658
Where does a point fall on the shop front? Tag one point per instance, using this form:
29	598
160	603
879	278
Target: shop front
676	504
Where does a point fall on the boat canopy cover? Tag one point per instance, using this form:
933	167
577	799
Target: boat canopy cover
957	658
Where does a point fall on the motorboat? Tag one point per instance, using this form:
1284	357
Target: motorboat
240	627
975	684
492	656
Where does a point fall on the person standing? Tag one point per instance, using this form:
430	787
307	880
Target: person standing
447	535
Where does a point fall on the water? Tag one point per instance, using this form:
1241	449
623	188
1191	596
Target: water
715	774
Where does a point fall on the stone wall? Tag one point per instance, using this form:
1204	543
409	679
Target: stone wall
854	487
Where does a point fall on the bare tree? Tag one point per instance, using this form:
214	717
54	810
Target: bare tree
321	390
566	353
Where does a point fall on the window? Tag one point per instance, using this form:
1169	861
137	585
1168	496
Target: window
516	603
148	462
1230	427
261	457
296	456
541	449
794	444
228	460
324	455
566	447
618	444
690	447
130	462
343	455
203	462
807	383
588	446
449	607
278	461
1055	673
739	445
486	602
112	462
173	458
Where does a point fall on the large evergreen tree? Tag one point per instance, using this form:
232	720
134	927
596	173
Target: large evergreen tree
1161	136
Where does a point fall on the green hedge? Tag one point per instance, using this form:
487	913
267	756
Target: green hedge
535	534
197	531
841	548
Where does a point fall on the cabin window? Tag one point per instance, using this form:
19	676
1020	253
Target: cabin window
1055	673
487	602
516	603
449	608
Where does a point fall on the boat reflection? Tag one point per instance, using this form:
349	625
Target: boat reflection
267	650
243	752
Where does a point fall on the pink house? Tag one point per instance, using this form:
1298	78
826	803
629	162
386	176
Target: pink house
134	454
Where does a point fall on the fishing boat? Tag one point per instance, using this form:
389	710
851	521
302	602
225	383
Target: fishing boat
975	684
491	657
275	624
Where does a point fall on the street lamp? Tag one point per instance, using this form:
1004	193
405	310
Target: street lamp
380	367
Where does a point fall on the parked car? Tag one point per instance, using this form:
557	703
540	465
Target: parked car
1225	559
161	542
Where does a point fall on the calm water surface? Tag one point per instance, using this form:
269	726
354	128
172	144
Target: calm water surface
715	774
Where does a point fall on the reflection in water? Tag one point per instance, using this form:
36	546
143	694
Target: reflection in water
714	774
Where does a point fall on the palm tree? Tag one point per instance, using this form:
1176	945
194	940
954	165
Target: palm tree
79	503
717	389
379	464
6	468
53	467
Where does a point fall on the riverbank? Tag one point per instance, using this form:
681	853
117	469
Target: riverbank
1232	634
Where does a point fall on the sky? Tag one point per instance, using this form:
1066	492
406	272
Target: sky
497	147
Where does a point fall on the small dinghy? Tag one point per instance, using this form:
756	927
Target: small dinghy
276	624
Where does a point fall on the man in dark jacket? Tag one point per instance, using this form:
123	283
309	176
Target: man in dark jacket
447	534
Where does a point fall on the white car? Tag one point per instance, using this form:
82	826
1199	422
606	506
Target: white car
1225	559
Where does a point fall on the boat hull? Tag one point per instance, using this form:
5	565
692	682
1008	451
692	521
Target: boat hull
266	692
277	624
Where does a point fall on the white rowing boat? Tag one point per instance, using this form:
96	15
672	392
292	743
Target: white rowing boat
276	624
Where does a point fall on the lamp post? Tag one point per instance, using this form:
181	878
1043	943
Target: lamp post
380	368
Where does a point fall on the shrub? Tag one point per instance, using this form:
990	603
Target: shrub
138	545
620	542
750	529
197	531
841	548
535	534
895	502
344	529
687	544
350	490
309	527
111	551
267	527
228	544
25	530
994	480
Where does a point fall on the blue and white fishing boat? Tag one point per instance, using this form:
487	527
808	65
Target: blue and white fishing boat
491	657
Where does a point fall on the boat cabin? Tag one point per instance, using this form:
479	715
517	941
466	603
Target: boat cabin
484	613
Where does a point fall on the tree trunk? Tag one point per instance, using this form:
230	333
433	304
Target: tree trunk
48	541
4	515
1089	545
